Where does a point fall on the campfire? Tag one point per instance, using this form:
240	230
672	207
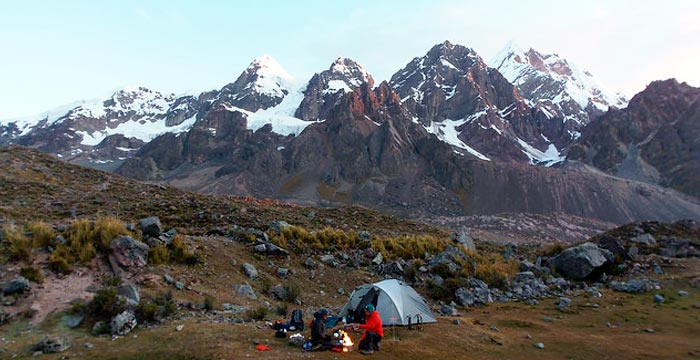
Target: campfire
344	342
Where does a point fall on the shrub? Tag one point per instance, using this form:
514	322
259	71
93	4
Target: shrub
41	233
167	303
553	249
495	271
105	230
158	255
106	304
32	274
111	281
282	310
292	291
147	311
151	310
408	247
59	260
209	303
180	254
258	313
20	246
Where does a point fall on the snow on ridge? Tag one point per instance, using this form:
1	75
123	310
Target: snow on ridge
142	130
270	77
547	158
446	131
26	123
345	67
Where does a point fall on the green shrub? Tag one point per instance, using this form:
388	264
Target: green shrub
151	310
106	304
59	260
147	311
111	281
292	291
32	274
209	303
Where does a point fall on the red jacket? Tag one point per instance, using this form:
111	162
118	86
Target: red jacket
372	323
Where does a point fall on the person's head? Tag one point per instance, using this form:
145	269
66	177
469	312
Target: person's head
369	308
323	313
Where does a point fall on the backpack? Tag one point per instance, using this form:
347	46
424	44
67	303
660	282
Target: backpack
297	321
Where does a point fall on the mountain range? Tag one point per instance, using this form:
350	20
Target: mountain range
449	135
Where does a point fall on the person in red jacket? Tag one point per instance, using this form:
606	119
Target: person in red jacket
373	331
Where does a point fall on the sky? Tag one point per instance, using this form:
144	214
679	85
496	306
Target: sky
58	52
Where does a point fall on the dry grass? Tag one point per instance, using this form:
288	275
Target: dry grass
19	245
42	234
494	270
409	246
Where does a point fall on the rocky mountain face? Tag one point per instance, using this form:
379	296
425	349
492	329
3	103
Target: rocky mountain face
656	139
566	97
446	136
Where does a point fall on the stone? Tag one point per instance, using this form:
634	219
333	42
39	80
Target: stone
563	303
341	291
463	237
168	279
329	260
245	290
649	330
279	292
72	321
674	247
129	252
53	344
378	259
615	246
643	239
261	248
582	261
250	271
539	345
17	285
278	226
365	236
282	272
635	286
532	302
179	327
151	226
131	294
548	319
457	322
475	294
123	323
658	299
448	310
310	263
658	270
682	293
509	252
179	285
100	328
88	345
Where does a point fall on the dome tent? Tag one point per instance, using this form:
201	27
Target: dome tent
397	303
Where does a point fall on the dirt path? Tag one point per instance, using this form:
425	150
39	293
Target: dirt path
57	293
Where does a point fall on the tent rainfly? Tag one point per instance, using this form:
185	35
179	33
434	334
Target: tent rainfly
397	303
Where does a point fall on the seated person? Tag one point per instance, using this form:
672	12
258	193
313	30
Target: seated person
319	340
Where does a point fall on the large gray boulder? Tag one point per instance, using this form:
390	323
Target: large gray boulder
129	252
476	293
463	237
53	344
151	226
123	323
250	271
582	261
17	285
130	294
245	290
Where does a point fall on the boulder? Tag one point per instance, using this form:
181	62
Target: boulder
269	248
329	260
279	292
129	252
72	321
17	285
53	344
123	323
643	239
282	272
151	226
278	226
674	247
463	238
378	259
582	261
615	246
636	286
448	257
475	294
131	294
245	290
563	303
250	271
310	263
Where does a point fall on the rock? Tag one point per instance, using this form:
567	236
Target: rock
261	248
279	292
463	237
682	293
457	322
53	344
494	328
649	330
674	247
635	286
509	252
448	310
616	247
88	345
278	226
245	290
100	328
269	248
341	291
329	260
72	321
633	251
563	303
179	327
151	226
548	319
643	239
129	252
475	294
250	271
311	214
282	272
658	299
582	261
179	285
658	270
131	294
310	263
168	279
216	231
531	302
539	345
365	236
378	259
17	285
123	323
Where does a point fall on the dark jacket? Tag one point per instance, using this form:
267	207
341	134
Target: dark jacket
318	330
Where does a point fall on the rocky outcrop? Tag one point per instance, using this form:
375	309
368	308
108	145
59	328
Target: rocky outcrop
581	262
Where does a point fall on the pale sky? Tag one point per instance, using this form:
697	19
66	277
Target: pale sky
57	52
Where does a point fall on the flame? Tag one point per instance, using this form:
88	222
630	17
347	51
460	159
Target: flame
347	341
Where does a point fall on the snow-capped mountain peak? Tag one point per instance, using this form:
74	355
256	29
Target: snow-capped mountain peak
353	73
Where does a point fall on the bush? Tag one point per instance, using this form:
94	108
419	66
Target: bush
292	291
151	310
105	230
106	304
158	255
111	281
553	249
258	313
20	246
408	247
59	260
41	233
209	303
180	254
282	310
495	271
32	274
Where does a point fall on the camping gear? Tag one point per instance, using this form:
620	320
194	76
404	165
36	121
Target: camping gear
396	302
296	323
263	347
